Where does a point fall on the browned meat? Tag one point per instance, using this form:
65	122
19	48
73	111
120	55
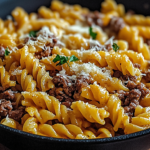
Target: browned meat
53	73
108	47
135	94
67	90
47	49
131	99
143	89
131	85
45	53
8	95
147	77
17	114
67	103
5	107
136	65
118	74
9	107
148	42
116	24
2	52
1	89
119	132
94	18
17	87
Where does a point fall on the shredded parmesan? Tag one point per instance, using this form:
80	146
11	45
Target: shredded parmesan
16	72
86	68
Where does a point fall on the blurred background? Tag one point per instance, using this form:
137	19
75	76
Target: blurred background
6	6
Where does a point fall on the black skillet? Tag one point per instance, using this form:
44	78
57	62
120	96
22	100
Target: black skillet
18	140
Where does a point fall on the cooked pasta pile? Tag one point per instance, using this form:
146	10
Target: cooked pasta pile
67	72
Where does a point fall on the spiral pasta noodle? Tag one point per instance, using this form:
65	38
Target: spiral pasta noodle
131	35
96	93
119	119
122	63
39	74
137	20
26	81
139	122
91	113
111	5
3	30
136	58
46	102
5	78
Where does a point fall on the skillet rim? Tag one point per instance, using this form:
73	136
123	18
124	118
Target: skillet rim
76	141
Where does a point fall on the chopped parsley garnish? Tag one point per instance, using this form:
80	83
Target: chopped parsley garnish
63	59
33	33
115	47
92	34
73	58
6	52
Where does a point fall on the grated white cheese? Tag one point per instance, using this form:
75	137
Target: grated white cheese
42	38
16	72
86	68
95	45
110	41
143	74
78	29
63	73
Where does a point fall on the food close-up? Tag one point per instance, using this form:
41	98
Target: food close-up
72	73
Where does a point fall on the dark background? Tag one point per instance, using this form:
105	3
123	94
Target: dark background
6	6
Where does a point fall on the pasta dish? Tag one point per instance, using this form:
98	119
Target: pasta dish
68	72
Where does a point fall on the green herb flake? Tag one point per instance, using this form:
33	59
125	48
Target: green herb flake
73	58
92	34
115	47
63	59
33	33
6	52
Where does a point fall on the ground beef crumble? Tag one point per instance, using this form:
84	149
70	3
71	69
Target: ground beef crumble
53	73
8	106
119	132
118	74
136	65
94	18
148	42
116	24
131	99
47	50
44	53
2	52
147	76
136	91
67	90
